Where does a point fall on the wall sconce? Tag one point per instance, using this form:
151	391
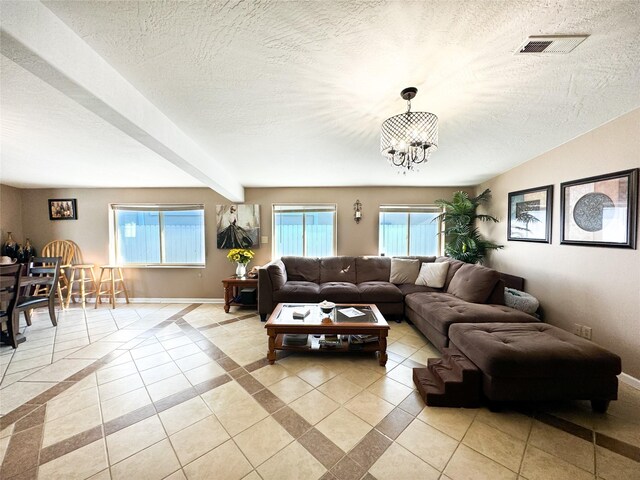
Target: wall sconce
357	211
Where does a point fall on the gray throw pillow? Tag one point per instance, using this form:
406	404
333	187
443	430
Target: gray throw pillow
404	270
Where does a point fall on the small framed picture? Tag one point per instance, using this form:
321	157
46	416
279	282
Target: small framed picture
600	211
63	209
530	215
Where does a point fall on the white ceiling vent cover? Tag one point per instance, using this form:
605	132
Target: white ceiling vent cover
550	44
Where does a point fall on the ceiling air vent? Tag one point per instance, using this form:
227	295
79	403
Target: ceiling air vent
551	44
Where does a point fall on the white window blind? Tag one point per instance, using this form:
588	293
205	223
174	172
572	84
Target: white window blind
158	234
409	230
304	230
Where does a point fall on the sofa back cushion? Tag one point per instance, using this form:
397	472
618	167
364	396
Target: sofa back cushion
338	269
497	294
278	274
373	269
454	266
421	258
473	283
404	270
302	269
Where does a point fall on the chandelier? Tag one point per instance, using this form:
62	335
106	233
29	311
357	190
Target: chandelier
408	139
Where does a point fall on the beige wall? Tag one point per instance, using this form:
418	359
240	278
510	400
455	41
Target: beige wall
10	213
593	286
353	238
91	230
91	233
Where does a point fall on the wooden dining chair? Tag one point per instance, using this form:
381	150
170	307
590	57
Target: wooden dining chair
48	270
9	288
82	274
64	250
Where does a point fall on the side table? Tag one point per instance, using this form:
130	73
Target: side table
232	287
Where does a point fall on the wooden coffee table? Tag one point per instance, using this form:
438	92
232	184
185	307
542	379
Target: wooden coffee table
317	323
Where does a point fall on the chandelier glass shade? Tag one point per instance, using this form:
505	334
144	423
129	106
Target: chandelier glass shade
409	139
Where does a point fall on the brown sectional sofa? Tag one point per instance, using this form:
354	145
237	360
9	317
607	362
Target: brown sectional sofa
471	293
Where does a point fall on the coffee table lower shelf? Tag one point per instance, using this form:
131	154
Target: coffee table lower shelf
380	347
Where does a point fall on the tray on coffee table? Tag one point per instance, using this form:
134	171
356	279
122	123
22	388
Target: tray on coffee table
322	327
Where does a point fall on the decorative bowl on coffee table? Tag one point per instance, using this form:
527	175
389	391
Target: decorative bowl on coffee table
326	307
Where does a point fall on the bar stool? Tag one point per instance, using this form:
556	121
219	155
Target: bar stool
82	281
85	275
111	280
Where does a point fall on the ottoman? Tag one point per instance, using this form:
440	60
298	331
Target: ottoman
538	362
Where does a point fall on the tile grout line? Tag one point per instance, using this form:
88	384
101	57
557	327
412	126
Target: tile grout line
459	442
187	328
39	397
91	368
526	445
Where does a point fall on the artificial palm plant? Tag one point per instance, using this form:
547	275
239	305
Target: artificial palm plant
462	238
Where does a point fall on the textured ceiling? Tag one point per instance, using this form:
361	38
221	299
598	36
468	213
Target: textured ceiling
48	140
293	93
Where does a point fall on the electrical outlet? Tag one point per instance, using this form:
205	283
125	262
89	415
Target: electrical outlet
582	331
264	239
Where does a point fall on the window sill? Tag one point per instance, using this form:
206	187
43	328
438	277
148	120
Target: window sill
160	267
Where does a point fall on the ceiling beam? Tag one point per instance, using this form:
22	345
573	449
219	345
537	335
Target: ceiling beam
34	38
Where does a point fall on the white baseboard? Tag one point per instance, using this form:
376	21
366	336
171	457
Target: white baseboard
161	300
629	380
177	300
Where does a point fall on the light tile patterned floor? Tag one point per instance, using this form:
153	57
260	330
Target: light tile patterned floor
185	392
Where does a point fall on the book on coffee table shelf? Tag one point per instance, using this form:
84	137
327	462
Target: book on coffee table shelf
295	340
362	339
331	341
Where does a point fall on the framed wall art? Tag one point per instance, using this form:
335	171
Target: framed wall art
238	226
600	211
530	215
63	209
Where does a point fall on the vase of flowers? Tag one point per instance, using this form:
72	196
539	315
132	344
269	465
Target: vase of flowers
241	256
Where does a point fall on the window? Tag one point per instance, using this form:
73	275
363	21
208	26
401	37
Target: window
304	230
409	230
154	235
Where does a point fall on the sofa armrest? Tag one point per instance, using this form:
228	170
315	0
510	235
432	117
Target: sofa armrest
512	281
265	291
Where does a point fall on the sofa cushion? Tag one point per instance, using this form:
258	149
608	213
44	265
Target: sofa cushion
379	292
454	266
441	310
532	351
337	269
373	269
473	283
278	274
433	274
407	288
339	292
294	291
404	270
302	269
